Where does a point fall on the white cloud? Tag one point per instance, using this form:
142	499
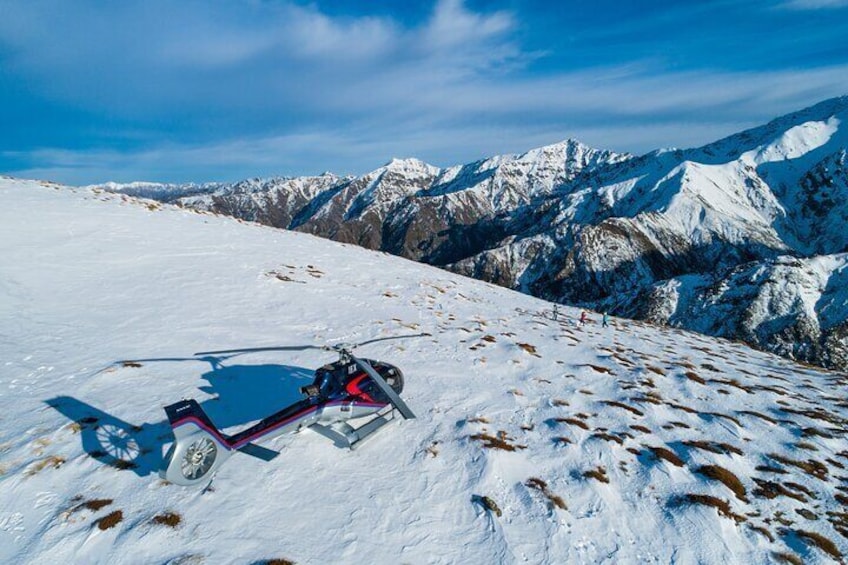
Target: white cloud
814	4
278	88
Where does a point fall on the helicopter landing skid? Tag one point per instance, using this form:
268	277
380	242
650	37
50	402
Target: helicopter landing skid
346	435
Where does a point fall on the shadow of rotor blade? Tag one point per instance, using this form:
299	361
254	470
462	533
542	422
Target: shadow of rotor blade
257	349
392	337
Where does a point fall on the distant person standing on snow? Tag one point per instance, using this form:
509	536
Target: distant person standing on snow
583	317
605	321
556	312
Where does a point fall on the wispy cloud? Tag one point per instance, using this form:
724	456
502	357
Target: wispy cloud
221	90
814	4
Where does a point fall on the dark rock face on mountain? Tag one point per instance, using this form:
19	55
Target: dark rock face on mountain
696	238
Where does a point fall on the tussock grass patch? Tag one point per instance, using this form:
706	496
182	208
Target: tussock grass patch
722	506
478	420
768	419
623	406
110	520
693	376
666	454
538	484
810	466
806	513
713	446
500	442
819	541
531	349
839	521
726	477
53	461
762	530
608	437
790	558
642	429
599	474
771	489
815	432
94	505
170	519
573	422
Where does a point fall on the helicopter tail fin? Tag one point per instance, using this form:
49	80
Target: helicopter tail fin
199	447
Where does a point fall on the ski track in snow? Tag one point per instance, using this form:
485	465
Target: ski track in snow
89	280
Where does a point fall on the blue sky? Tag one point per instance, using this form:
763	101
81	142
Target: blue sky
191	90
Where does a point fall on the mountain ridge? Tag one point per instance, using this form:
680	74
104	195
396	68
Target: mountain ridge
580	225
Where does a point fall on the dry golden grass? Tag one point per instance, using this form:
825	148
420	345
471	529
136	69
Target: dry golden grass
561	440
727	478
839	520
805	445
811	466
713	446
768	419
682	407
54	461
478	420
573	422
599	369
790	558
278	561
692	376
722	506
762	530
94	505
806	513
815	432
666	454
608	437
771	489
623	406
559	402
771	469
821	542
538	484
110	520
724	416
642	429
170	519
490	442
599	474
531	349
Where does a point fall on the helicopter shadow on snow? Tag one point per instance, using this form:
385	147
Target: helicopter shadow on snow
239	395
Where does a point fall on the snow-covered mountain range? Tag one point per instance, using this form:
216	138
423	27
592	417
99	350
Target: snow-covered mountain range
578	225
623	444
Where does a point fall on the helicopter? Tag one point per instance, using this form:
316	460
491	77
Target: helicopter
351	388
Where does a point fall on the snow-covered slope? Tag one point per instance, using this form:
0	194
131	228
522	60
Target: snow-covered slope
629	443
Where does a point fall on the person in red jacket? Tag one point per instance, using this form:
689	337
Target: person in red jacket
583	317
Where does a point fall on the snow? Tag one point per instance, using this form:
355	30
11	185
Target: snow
90	279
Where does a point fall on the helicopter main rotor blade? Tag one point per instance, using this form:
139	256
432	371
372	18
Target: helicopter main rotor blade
396	400
257	349
388	338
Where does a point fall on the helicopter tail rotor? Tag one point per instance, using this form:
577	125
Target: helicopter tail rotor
199	448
